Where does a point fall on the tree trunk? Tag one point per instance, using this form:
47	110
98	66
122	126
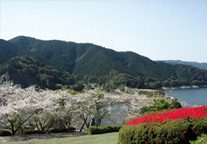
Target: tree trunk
83	124
12	128
93	122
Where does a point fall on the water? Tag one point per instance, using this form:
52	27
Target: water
190	96
117	115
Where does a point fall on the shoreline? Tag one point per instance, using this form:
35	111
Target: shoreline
183	102
184	87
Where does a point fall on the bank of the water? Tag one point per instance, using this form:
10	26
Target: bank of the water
184	87
192	96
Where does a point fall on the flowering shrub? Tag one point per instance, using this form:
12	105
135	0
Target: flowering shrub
198	112
175	126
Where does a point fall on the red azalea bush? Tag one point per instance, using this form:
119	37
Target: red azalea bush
197	112
175	126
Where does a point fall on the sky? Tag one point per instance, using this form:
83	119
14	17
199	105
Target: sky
157	29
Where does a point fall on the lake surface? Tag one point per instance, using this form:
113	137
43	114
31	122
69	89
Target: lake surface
190	96
118	115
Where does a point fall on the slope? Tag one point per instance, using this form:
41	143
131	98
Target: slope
28	71
88	61
195	64
9	50
92	60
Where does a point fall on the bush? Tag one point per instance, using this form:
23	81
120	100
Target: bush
177	126
78	87
104	129
159	105
33	132
5	132
200	140
56	130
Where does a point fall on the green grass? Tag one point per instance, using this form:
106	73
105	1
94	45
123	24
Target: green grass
109	138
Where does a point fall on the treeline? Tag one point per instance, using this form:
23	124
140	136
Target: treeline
28	71
119	80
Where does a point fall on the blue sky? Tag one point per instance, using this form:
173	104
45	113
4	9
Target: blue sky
157	29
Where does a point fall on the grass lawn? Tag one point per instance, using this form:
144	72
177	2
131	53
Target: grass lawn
109	138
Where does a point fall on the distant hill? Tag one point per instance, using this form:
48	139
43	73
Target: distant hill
92	63
28	71
195	64
9	50
92	60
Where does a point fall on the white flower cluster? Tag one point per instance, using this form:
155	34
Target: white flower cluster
47	109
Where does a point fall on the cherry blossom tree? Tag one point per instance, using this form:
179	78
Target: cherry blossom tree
57	112
47	109
93	106
19	106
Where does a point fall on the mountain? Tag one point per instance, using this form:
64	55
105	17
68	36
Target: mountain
28	71
9	50
195	64
92	60
92	63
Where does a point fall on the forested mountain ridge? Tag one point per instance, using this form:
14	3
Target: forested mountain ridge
28	71
9	50
92	60
92	63
195	64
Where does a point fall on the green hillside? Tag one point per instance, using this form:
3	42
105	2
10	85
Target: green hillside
92	63
195	64
61	54
28	71
9	50
93	60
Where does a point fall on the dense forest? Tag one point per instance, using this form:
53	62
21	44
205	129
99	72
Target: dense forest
195	64
28	71
66	63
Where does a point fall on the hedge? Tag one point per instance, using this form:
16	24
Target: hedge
104	129
5	132
58	130
175	127
33	132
